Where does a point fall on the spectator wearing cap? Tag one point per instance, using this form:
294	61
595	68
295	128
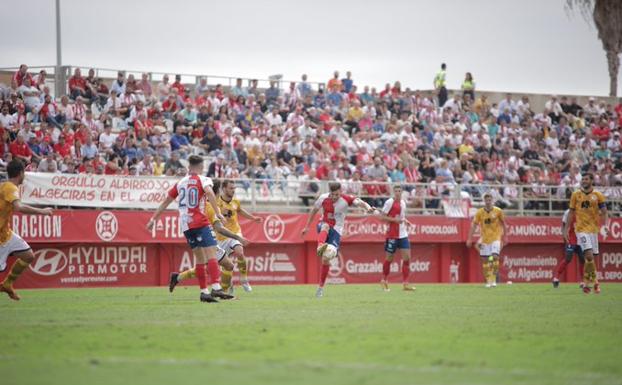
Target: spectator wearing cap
181	90
118	85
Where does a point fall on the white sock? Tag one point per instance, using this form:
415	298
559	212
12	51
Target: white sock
216	286
205	291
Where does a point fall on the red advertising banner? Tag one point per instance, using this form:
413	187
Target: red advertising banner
524	263
421	229
267	264
81	265
125	226
362	263
609	263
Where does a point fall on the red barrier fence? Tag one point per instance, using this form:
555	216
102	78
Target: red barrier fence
83	248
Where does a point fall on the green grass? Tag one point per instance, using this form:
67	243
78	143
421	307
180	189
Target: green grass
356	334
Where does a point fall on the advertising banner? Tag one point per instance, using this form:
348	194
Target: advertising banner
89	265
362	263
88	190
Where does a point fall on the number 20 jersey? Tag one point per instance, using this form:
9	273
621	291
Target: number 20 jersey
192	197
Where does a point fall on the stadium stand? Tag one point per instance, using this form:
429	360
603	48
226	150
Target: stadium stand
284	144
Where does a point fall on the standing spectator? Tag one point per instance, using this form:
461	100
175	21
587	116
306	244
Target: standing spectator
439	84
303	88
20	76
145	85
468	86
334	84
347	83
164	88
181	90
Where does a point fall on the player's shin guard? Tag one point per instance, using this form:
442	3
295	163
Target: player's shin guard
242	266
17	269
495	270
486	271
225	279
214	272
589	274
201	275
386	269
323	274
581	269
405	271
188	274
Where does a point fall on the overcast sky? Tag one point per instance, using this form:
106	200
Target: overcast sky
508	45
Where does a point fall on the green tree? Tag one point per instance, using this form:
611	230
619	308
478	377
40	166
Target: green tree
607	16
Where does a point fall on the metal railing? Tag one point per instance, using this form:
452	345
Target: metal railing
189	79
297	195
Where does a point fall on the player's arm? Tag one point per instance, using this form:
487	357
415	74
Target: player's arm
211	197
26	209
314	211
169	199
565	227
248	215
474	226
219	228
358	202
504	237
604	217
384	213
569	220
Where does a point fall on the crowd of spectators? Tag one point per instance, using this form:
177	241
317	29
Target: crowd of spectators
339	131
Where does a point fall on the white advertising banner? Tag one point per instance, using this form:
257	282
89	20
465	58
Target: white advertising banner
110	191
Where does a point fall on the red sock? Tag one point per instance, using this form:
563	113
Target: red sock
323	274
321	238
561	267
201	276
386	269
214	271
581	265
405	270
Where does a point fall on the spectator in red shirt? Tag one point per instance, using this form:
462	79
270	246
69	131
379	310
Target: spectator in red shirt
602	131
62	147
19	76
77	85
20	149
181	91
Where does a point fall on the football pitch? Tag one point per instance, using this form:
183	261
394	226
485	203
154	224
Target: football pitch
356	334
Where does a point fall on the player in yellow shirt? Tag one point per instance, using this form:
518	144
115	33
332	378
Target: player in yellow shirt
228	245
589	208
491	222
10	242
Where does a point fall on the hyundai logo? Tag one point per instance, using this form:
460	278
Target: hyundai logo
49	262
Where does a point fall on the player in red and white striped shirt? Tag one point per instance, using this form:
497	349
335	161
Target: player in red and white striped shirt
572	247
192	191
334	206
394	212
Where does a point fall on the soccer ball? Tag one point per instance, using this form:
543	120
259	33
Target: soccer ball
330	252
